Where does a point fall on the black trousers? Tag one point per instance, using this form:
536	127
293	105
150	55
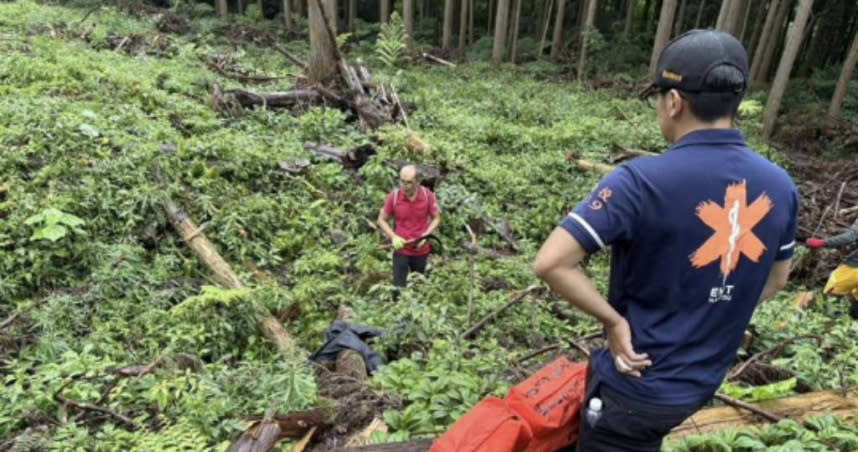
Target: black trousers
626	424
403	264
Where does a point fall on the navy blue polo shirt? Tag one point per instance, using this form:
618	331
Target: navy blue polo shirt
694	233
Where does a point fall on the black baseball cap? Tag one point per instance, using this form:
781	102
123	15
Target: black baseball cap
687	60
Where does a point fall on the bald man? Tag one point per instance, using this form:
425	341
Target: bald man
412	207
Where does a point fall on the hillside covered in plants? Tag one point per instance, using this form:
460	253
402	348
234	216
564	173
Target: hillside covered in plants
115	335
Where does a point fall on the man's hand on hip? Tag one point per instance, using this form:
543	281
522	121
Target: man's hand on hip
626	360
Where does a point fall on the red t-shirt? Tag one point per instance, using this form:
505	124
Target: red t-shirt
411	217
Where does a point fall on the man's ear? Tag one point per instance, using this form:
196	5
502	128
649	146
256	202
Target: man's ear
675	104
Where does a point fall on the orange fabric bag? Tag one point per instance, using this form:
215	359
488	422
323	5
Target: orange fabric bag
490	426
550	401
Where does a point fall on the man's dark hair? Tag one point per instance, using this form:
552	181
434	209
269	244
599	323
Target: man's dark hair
723	89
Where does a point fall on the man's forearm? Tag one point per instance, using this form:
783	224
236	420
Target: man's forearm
385	228
576	287
433	225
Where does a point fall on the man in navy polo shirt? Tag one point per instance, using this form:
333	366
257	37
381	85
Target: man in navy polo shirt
699	235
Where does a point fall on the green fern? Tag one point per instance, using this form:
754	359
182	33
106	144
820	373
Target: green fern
392	41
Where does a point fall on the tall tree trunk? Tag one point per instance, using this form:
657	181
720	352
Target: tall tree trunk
222	10
679	25
774	41
785	67
501	21
588	24
408	19
700	9
421	9
723	13
352	15
515	31
471	22
825	34
299	8
645	17
323	53
768	31
557	42
447	37
546	21
758	25
630	17
662	36
287	15
746	18
259	7
735	16
491	15
383	10
463	27
843	82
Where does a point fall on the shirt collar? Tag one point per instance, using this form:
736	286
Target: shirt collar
709	137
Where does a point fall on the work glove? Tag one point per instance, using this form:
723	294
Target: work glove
421	243
814	242
398	242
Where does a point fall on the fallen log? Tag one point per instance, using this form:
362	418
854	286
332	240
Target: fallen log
798	408
206	252
586	165
477	249
247	98
419	445
353	159
485	320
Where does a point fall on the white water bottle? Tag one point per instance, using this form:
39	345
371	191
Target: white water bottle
594	411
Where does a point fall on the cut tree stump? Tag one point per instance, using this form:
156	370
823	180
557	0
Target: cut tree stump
353	159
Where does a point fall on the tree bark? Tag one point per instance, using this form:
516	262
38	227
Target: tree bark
515	31
843	82
299	8
545	22
408	19
747	17
662	36
723	13
222	10
585	31
736	16
785	67
700	10
630	17
463	27
758	25
206	251
500	32
352	15
287	15
679	23
383	10
447	37
470	21
323	51
557	41
765	36
774	41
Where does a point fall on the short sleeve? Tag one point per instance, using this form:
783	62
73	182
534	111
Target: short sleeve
609	214
786	249
433	204
388	204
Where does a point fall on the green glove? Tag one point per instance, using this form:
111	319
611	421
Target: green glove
398	242
421	244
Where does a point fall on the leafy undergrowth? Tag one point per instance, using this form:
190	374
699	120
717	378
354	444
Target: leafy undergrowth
93	277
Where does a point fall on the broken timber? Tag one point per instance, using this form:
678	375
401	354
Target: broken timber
206	251
709	420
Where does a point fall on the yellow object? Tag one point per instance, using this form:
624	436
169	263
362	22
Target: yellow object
843	281
398	242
